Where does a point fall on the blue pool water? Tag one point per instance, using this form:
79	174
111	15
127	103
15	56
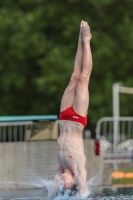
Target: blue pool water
97	194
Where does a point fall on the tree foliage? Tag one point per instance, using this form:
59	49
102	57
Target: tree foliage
38	41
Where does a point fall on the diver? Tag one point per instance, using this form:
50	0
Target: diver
73	118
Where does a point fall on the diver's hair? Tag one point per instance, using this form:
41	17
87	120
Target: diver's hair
74	188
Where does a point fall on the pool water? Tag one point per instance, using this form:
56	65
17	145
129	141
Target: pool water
115	194
95	194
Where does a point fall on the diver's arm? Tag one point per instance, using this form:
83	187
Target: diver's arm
82	181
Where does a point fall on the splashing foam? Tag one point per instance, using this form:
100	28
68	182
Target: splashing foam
47	182
67	194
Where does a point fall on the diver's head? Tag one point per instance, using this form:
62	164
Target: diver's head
67	180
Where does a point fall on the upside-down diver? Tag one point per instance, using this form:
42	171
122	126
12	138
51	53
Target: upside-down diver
73	118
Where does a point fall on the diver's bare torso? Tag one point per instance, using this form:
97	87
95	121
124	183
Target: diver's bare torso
70	147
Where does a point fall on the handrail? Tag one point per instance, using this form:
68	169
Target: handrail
124	155
19	123
113	119
28	118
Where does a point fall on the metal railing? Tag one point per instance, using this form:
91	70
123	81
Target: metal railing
12	128
13	131
116	139
124	126
124	157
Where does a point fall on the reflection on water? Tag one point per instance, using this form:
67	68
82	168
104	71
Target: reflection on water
41	194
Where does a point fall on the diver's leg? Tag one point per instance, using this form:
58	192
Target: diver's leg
81	101
69	94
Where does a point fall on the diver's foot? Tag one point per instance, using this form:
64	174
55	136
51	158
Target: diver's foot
85	31
80	34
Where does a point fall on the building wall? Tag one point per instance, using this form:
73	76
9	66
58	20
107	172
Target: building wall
27	164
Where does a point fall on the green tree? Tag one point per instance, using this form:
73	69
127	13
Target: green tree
38	41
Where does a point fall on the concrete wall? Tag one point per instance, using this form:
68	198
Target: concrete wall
26	164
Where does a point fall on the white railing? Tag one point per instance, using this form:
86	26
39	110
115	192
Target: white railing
123	125
116	139
123	157
13	131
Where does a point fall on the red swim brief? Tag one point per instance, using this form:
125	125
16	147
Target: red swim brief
70	114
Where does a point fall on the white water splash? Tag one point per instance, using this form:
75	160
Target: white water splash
39	182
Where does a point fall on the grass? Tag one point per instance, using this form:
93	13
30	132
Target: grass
122	181
126	170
